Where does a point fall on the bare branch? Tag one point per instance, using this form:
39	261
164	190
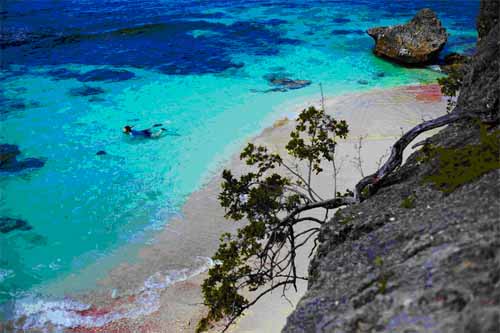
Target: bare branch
396	157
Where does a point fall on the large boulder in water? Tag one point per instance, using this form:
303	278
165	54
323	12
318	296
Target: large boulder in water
415	43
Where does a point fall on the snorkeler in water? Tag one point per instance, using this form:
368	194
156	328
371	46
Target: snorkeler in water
145	133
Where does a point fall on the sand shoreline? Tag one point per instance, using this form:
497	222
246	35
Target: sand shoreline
378	115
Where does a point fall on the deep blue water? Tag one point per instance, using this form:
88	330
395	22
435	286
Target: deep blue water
75	72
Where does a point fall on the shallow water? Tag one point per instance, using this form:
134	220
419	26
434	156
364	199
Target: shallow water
75	72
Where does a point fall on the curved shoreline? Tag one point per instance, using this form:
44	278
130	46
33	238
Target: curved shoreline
175	306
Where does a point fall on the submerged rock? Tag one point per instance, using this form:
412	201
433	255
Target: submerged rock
63	74
347	32
8	224
8	153
9	162
110	75
16	166
103	74
417	42
341	20
28	163
283	83
86	91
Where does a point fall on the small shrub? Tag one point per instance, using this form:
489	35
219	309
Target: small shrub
451	84
408	202
378	261
382	283
341	218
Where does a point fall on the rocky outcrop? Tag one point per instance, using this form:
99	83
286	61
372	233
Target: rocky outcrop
412	258
417	42
480	91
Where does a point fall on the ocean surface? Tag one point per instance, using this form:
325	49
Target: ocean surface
73	73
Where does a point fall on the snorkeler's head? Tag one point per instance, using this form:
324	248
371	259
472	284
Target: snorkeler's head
127	129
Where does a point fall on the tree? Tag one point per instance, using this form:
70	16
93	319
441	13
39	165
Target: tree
273	200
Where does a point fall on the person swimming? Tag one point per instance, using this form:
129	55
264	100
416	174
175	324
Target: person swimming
145	133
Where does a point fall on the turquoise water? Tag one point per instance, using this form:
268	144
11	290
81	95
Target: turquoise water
82	206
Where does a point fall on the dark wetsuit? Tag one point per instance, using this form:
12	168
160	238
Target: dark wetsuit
144	133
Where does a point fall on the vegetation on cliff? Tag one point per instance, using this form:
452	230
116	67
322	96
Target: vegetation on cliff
261	256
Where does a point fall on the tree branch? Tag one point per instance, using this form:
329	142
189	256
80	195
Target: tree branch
396	157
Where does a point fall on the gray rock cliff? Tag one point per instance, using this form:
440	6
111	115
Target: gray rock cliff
429	264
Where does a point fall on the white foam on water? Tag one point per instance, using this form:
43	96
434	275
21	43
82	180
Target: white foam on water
5	274
38	313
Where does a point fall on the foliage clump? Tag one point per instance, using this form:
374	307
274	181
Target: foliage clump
262	252
343	218
451	84
408	202
457	166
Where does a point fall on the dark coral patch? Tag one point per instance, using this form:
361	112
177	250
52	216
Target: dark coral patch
86	91
103	74
8	224
169	47
63	74
9	162
8	152
110	75
341	20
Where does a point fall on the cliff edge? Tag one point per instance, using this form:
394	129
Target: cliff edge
413	258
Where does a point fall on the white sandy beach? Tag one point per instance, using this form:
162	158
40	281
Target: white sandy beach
379	116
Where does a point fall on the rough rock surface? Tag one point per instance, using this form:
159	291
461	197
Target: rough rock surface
417	42
488	17
433	266
481	89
